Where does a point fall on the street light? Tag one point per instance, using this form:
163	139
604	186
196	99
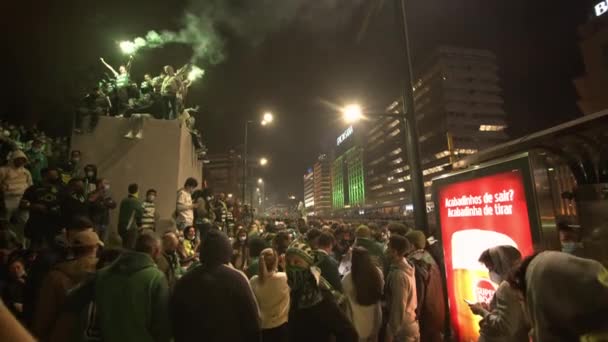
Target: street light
267	118
263	162
260	181
352	113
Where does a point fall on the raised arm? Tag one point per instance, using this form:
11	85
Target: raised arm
129	63
108	66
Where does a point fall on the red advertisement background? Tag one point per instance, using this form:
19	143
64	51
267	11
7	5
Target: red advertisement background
516	226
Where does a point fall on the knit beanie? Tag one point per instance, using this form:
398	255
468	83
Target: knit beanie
215	248
416	238
363	232
301	249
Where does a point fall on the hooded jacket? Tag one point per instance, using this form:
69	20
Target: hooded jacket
401	300
15	180
505	321
53	291
214	302
567	298
131	296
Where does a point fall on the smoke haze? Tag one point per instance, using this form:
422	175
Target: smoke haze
206	23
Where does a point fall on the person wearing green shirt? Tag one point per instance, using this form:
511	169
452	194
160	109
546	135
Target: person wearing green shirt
129	217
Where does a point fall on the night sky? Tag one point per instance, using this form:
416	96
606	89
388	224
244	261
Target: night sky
296	64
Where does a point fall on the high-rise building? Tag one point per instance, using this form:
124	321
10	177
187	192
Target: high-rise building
459	107
322	185
309	191
459	111
592	86
223	173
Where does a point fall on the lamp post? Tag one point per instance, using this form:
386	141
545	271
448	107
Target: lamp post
408	119
267	118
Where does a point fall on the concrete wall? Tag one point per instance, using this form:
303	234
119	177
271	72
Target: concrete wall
162	159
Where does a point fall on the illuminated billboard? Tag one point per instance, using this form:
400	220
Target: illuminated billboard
478	210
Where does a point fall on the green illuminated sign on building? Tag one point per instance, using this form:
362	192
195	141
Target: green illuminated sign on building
347	179
337	182
356	181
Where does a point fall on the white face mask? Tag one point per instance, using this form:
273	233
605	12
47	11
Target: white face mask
495	277
242	238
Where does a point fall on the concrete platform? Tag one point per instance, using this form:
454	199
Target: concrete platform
162	159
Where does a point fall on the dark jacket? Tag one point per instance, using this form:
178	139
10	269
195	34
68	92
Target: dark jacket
214	304
53	291
329	269
430	295
130	214
320	322
131	296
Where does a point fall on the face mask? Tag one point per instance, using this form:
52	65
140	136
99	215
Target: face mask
242	238
569	247
136	195
106	186
295	269
151	198
90	174
495	277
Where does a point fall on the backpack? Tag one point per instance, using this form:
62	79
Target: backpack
423	275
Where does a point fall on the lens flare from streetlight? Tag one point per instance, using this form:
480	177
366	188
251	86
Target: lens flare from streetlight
352	113
267	118
263	161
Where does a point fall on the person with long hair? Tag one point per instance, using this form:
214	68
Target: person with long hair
363	287
240	250
272	293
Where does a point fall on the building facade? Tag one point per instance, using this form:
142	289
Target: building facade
322	185
309	191
459	108
223	173
592	86
459	111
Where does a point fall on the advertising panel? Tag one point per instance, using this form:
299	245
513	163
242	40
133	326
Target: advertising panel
476	212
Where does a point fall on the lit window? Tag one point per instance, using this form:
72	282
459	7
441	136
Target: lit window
395	152
442	154
432	170
395	132
491	128
465	151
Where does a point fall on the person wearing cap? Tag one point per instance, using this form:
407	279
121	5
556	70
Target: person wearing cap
363	238
14	180
431	309
63	277
313	315
214	302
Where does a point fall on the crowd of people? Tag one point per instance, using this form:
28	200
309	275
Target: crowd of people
217	273
162	97
119	94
